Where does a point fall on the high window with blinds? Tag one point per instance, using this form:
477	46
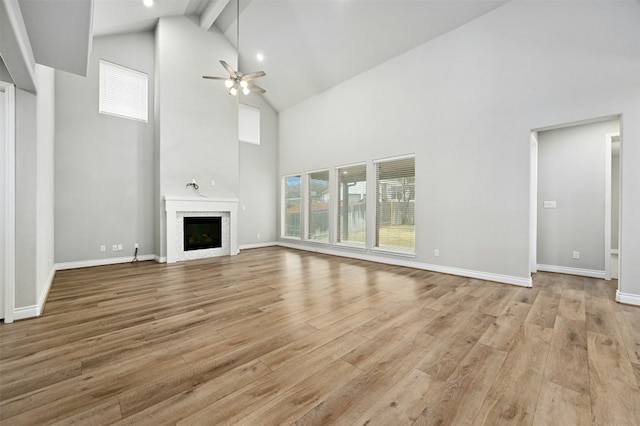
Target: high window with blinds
123	92
291	207
352	205
395	204
318	211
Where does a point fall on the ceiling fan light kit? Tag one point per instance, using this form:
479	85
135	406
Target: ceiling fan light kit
236	79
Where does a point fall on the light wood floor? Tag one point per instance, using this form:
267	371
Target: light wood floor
277	336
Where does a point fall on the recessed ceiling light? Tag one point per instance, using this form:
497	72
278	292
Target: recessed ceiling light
260	57
147	3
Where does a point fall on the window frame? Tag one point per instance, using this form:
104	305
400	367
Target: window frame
283	208
123	99
398	250
309	210
337	216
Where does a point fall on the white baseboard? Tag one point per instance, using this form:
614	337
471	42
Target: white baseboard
258	245
100	262
25	312
159	259
487	276
571	271
33	311
45	291
628	298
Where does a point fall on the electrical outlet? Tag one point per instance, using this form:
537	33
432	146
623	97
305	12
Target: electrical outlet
257	235
136	245
576	255
436	252
114	247
119	247
103	248
213	183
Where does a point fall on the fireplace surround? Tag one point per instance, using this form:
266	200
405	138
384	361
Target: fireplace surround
177	208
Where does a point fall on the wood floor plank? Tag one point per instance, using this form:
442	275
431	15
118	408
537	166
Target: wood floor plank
241	403
280	336
545	308
303	396
402	404
505	328
103	414
572	305
513	395
447	352
199	397
615	396
498	413
567	363
144	396
629	327
559	406
352	400
463	393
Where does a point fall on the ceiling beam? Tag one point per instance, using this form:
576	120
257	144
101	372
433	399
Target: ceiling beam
15	47
211	13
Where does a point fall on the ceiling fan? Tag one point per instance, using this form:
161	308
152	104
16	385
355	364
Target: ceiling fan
237	80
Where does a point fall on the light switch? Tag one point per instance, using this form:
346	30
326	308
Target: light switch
549	204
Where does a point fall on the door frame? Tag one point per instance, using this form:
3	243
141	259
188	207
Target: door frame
9	158
533	188
609	139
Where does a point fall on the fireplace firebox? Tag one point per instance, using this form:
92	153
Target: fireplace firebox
202	233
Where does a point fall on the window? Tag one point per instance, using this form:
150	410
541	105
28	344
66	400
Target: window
248	124
352	203
395	204
291	206
318	196
123	92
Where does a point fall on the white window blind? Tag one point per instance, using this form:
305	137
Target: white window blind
352	204
395	204
248	124
123	92
318	213
291	206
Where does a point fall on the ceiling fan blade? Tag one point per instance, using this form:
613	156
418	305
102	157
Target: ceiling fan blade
253	75
255	88
214	78
230	70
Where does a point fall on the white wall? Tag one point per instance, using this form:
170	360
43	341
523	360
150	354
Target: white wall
4	196
26	193
465	103
197	136
45	241
103	164
34	194
259	180
571	172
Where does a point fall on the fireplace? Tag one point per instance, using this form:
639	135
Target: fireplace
202	233
203	209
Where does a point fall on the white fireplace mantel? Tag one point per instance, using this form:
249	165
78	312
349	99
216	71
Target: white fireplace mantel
174	205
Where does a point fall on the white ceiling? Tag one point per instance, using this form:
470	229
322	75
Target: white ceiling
309	45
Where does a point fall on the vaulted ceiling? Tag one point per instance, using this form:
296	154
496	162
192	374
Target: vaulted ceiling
308	46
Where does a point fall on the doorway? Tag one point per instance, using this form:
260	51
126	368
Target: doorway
575	200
